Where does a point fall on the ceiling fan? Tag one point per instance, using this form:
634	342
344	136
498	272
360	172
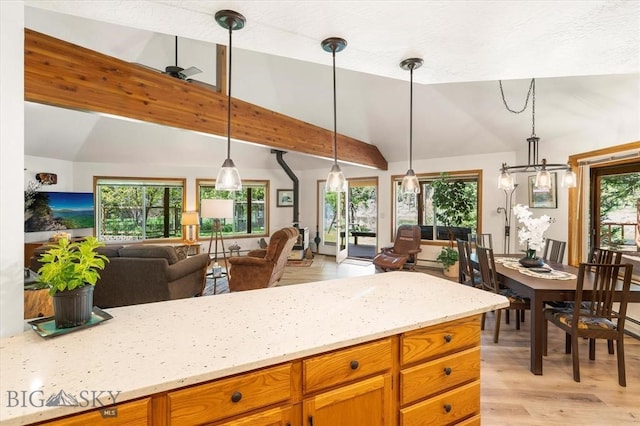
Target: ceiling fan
179	72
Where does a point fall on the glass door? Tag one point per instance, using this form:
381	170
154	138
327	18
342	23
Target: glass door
332	223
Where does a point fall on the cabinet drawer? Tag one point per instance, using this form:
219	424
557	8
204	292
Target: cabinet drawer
438	375
289	415
134	413
231	396
443	409
430	342
471	421
344	365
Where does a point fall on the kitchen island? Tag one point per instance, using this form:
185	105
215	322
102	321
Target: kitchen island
285	344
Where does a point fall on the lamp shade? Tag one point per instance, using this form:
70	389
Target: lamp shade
189	218
216	209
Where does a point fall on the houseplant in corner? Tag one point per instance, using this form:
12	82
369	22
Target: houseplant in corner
69	271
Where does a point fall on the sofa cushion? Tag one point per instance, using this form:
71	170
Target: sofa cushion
150	251
109	250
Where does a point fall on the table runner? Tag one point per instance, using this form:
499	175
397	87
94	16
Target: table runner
512	263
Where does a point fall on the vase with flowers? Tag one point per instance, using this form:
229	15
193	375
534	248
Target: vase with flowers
532	233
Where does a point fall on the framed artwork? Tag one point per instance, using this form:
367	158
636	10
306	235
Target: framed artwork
285	197
543	199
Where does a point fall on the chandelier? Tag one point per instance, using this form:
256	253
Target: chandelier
541	168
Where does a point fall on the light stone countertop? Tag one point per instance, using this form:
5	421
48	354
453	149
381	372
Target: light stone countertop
156	347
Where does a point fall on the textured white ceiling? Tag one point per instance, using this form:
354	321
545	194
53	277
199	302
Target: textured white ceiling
584	54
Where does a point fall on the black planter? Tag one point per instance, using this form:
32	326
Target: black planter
72	308
531	262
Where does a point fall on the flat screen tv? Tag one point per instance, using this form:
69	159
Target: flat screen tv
57	211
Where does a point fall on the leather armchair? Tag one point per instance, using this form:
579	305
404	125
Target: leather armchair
405	248
264	267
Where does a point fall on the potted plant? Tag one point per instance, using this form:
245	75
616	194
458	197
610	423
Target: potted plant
454	206
69	271
448	256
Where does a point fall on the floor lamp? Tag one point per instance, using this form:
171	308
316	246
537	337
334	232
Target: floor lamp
217	210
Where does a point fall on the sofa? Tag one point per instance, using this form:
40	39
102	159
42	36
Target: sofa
143	273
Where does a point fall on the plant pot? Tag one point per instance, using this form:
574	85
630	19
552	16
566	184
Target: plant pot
72	308
531	260
451	271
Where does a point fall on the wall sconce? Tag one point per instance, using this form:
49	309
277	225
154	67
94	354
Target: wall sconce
47	178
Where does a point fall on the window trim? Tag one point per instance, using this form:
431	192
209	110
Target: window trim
478	173
248	182
180	181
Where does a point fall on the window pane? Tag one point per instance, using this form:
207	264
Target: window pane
137	210
420	209
250	215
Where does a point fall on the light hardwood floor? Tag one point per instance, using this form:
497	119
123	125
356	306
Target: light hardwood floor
511	394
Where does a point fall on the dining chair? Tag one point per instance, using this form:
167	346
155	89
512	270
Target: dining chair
554	250
489	279
593	316
483	240
467	274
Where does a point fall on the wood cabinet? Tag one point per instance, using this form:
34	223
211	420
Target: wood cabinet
427	376
355	384
232	396
440	374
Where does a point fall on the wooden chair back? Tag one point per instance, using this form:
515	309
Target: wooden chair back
466	272
488	275
554	250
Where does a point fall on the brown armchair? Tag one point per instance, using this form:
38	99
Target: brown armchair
404	251
264	267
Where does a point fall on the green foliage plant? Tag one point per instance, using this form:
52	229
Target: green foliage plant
448	256
69	265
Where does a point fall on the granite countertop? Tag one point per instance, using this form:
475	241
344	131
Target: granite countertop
156	347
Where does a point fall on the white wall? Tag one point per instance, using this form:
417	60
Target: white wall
11	166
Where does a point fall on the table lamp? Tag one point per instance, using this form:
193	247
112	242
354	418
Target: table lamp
189	221
217	210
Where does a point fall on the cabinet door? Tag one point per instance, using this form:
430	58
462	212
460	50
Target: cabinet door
363	403
280	416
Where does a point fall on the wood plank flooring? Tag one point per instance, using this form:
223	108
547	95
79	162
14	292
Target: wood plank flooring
511	394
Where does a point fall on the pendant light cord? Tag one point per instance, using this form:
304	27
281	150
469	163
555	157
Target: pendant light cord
335	116
411	67
229	100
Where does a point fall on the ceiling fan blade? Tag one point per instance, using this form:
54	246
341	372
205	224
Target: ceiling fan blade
191	71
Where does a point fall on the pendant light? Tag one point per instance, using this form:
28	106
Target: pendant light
542	169
336	181
410	184
228	176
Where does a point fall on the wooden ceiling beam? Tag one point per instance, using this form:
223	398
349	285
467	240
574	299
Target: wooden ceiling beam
65	75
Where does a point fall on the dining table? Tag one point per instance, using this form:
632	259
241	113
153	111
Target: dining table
557	285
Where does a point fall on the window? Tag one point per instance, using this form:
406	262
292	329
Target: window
436	222
138	208
250	208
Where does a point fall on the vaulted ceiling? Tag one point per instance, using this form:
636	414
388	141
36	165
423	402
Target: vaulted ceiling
585	56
